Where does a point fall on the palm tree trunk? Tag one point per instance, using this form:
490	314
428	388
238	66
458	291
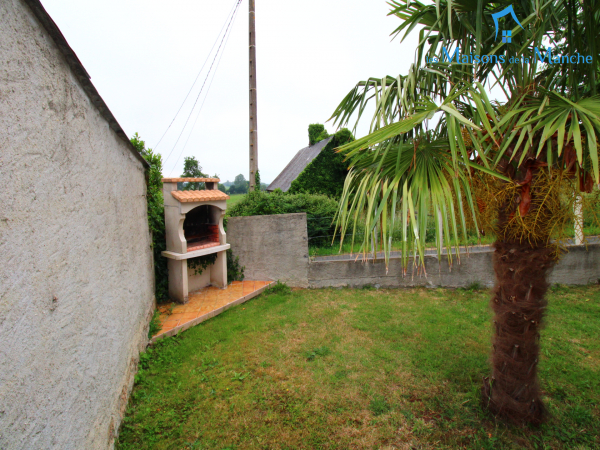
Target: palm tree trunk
512	392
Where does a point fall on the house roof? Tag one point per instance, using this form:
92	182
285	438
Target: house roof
80	73
199	196
298	163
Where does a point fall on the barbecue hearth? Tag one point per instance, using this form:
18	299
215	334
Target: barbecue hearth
194	227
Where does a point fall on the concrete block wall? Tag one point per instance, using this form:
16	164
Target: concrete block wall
76	280
578	266
271	247
276	248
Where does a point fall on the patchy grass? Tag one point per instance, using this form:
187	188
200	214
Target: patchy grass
360	369
234	199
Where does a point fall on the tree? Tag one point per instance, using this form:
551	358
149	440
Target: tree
240	185
192	169
511	168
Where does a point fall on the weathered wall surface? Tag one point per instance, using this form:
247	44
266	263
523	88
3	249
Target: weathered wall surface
476	268
271	247
76	282
276	248
579	266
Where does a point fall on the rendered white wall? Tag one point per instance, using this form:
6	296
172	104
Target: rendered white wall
72	227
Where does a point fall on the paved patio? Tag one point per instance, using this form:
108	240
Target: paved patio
204	304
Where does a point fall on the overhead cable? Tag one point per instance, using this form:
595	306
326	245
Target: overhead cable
203	101
197	76
207	75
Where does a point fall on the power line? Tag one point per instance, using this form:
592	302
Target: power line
207	75
203	101
197	76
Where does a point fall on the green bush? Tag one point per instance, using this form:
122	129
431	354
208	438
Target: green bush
327	172
156	218
235	272
319	209
316	133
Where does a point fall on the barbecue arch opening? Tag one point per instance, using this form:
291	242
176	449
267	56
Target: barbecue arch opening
201	227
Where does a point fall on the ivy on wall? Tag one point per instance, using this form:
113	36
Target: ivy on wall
200	263
235	271
156	218
327	172
316	133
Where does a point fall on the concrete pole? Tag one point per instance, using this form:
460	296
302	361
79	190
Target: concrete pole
578	222
253	108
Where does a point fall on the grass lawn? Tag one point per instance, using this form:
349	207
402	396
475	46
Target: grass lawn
360	369
234	199
326	248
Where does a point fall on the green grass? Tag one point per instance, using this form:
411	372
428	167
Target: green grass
235	199
328	250
323	249
360	369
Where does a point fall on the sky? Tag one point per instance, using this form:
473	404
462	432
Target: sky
144	55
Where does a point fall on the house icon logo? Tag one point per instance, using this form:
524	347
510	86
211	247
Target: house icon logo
506	34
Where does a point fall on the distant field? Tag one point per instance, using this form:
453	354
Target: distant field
234	199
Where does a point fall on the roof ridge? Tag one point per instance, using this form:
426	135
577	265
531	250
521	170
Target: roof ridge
281	184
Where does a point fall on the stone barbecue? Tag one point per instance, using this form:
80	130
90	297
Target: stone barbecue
194	227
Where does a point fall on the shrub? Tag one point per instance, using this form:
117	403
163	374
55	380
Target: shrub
235	272
327	172
316	133
319	209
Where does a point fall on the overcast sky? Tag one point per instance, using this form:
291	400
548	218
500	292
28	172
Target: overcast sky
143	56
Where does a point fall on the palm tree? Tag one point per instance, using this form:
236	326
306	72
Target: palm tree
438	144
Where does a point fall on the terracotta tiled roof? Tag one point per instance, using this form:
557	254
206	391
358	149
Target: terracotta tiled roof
190	180
199	196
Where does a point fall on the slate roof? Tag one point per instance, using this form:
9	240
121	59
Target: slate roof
298	163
